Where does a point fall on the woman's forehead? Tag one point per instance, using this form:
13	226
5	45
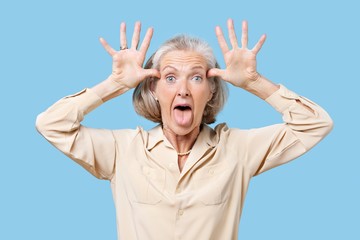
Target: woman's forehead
178	58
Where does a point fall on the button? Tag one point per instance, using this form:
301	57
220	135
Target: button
211	171
178	190
181	212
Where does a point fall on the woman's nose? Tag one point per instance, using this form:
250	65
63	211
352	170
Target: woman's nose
183	90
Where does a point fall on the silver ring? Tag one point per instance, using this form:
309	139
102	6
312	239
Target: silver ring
123	48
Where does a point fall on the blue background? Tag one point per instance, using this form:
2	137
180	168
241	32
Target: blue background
50	49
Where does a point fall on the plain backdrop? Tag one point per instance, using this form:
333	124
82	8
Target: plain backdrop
49	49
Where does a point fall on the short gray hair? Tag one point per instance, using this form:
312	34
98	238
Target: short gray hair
145	103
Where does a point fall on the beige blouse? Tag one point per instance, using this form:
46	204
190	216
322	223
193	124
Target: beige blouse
153	199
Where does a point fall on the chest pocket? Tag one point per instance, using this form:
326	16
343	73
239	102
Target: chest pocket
210	183
146	184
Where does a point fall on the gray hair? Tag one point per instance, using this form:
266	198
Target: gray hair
143	99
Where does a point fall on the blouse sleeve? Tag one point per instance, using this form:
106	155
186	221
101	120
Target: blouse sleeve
304	125
94	149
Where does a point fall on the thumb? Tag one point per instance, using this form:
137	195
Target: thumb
216	72
151	73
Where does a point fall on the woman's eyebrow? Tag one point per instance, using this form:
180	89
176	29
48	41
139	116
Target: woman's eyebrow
169	66
198	67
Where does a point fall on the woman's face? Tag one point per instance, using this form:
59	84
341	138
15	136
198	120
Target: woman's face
182	90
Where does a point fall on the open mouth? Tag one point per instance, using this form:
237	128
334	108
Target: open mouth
183	114
183	107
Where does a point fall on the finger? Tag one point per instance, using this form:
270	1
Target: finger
244	35
107	47
215	72
221	39
146	42
232	35
136	36
123	43
151	73
259	44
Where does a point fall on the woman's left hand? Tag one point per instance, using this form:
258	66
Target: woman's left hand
240	61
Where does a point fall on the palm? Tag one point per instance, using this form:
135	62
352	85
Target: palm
240	66
240	61
127	63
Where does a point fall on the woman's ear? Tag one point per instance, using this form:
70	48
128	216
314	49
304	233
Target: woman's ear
154	96
210	97
152	89
212	90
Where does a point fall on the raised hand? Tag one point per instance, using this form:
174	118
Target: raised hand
240	61
127	66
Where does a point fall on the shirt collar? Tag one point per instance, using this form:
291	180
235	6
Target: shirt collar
155	136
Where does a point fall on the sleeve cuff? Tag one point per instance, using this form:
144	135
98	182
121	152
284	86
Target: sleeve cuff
282	99
86	100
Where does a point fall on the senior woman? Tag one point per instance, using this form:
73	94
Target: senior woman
182	179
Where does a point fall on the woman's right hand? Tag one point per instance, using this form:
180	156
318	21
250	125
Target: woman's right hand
127	62
127	65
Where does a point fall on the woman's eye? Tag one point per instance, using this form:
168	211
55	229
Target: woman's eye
197	78
170	79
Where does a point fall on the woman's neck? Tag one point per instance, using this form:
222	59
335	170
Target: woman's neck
181	143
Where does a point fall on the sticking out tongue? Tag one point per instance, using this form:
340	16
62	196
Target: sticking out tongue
183	115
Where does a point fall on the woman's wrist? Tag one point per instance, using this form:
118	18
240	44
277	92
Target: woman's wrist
109	89
261	87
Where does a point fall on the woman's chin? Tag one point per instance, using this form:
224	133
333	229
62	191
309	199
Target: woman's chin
181	128
183	124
